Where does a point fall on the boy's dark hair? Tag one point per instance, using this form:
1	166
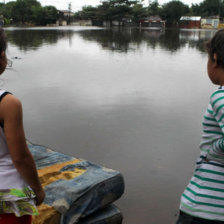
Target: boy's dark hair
3	42
216	46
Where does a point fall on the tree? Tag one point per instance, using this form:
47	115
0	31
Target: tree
88	12
28	11
50	15
138	12
154	8
118	9
21	10
172	11
195	9
210	8
110	10
104	11
37	15
7	10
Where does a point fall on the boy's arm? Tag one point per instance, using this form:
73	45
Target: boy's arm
11	111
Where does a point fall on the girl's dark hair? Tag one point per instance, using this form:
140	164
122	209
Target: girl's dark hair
216	46
3	42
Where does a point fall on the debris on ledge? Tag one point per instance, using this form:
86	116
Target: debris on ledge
77	191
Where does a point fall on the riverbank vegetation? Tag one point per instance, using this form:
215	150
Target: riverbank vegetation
31	12
134	10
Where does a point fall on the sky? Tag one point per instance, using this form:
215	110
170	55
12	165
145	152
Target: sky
78	4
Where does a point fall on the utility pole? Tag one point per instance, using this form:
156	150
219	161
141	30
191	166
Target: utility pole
69	11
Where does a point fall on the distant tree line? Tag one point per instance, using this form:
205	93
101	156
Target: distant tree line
110	10
28	11
31	11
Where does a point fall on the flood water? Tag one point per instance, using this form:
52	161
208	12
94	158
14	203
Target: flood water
129	99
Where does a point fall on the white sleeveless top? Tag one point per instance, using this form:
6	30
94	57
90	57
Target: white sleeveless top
15	195
9	176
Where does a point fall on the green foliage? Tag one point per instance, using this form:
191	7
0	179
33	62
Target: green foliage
103	11
208	7
138	12
6	21
50	14
88	12
28	11
108	10
118	9
133	9
7	10
31	11
211	8
38	15
154	8
172	11
195	9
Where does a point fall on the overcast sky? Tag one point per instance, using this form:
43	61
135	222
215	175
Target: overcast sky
78	4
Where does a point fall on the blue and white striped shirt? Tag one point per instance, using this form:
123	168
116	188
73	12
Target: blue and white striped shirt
204	195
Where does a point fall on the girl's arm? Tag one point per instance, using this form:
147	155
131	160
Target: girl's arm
12	116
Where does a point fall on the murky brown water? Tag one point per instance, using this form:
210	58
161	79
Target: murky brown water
127	99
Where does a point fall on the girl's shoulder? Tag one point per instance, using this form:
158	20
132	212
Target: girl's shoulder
3	93
10	105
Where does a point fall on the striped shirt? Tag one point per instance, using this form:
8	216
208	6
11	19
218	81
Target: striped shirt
204	195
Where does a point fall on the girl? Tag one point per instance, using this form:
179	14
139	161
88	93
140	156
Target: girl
203	199
20	187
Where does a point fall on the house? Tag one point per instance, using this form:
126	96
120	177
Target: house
210	22
82	23
66	13
124	22
65	17
190	22
61	22
153	22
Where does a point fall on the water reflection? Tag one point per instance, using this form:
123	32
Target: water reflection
124	40
196	39
119	40
29	39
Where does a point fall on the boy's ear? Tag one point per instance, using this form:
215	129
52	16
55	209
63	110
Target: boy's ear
215	59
